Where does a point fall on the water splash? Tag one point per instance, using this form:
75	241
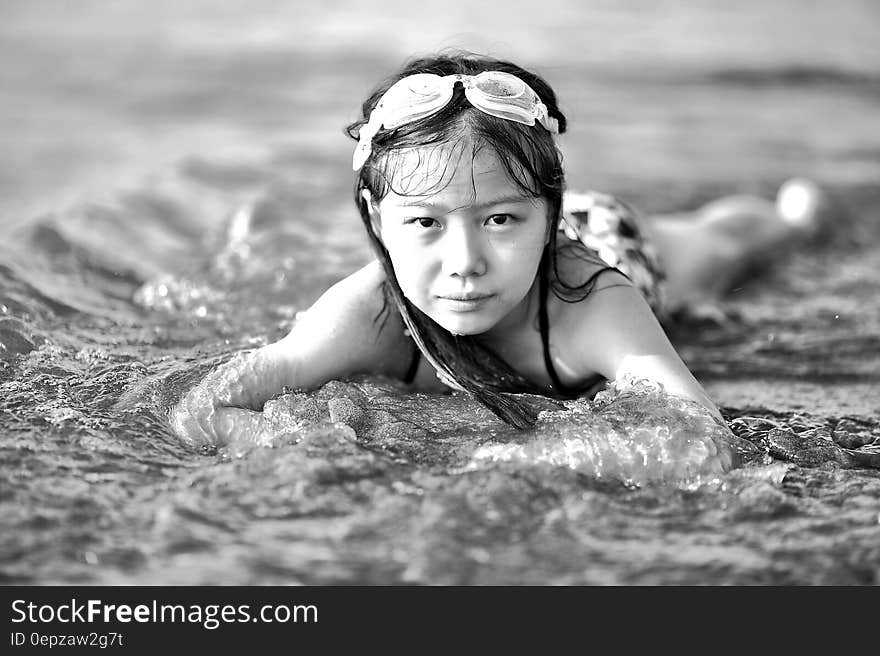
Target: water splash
633	432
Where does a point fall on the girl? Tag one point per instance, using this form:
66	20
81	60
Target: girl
489	277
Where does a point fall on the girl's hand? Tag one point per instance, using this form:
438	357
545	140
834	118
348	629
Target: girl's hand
200	421
337	337
211	412
192	417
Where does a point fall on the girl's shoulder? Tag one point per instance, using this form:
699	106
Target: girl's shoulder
361	299
361	294
368	278
351	329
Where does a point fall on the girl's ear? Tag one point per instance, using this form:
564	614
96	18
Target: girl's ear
373	211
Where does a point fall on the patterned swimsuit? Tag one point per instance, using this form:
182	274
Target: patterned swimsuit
619	235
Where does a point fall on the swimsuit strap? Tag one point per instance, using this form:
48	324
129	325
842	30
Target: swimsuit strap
413	364
544	325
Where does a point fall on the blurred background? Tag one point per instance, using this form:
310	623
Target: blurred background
106	94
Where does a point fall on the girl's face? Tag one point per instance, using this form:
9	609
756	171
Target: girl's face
468	254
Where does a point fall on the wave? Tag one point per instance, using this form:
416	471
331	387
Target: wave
796	75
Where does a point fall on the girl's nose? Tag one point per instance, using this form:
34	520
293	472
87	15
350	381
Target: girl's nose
463	253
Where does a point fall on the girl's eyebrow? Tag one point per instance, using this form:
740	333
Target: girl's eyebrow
501	200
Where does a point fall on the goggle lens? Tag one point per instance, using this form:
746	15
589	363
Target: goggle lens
500	87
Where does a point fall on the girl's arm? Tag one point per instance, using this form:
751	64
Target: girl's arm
337	337
624	338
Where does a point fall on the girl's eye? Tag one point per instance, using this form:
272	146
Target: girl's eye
422	221
499	219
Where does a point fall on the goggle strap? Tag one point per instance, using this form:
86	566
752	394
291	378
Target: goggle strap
547	121
365	140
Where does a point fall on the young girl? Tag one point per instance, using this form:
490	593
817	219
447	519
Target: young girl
489	276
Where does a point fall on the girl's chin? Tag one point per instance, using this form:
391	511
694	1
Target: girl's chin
464	325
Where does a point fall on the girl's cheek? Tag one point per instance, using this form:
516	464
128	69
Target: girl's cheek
410	274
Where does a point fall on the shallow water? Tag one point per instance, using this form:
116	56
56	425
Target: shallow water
128	292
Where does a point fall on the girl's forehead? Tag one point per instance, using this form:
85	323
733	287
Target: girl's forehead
455	174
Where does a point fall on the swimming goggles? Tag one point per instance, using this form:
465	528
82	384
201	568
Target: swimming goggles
417	96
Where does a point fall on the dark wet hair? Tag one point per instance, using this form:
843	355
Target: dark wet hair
531	160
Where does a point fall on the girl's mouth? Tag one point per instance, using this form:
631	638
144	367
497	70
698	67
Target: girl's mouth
465	302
